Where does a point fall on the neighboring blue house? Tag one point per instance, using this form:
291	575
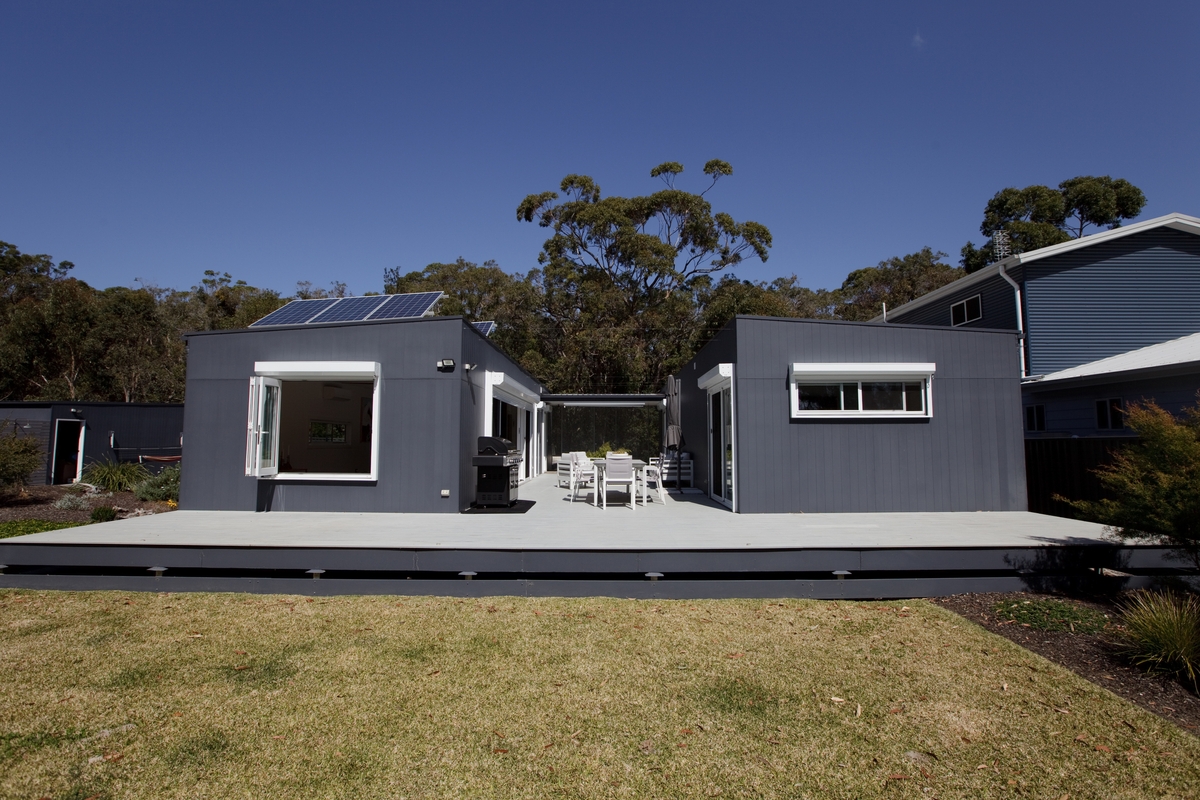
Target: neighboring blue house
1106	319
1082	300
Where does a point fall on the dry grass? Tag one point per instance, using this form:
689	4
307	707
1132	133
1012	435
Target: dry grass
144	695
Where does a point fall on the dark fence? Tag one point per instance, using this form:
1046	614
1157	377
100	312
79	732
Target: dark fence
1066	467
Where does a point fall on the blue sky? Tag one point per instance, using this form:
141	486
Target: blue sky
300	141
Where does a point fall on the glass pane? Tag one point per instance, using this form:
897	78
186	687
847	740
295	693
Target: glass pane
727	413
850	396
914	397
327	432
974	308
715	442
958	313
818	397
883	396
1101	413
270	418
1116	415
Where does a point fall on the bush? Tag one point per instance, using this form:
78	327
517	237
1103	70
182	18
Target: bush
1155	483
19	456
104	514
1162	633
605	449
163	487
70	502
1052	615
115	476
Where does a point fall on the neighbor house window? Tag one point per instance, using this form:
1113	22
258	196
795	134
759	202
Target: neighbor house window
1110	414
313	420
861	390
966	311
1035	418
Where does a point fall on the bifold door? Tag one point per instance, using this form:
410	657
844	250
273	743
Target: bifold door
262	429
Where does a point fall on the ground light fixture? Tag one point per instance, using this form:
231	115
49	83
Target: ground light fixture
654	575
2	568
841	574
158	571
467	575
316	573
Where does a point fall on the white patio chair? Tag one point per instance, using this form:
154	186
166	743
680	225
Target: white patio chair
618	471
582	472
653	472
564	470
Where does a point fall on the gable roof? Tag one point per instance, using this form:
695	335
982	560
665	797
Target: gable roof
1179	222
1177	352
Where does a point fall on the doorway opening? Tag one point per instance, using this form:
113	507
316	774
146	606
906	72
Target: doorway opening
720	411
68	451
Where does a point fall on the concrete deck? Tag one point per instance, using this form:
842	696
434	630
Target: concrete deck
686	522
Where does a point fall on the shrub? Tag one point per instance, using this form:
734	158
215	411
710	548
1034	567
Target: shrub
115	476
104	514
19	456
163	487
1155	483
70	502
604	450
1162	633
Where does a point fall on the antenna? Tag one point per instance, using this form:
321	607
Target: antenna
1000	245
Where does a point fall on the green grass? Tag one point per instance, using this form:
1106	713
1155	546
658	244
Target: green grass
22	527
1052	615
221	695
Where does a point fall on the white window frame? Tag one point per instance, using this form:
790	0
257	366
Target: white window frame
963	303
860	373
311	371
713	382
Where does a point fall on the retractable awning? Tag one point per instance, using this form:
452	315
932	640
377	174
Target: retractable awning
604	400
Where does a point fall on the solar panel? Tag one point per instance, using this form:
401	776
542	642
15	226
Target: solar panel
296	312
485	328
402	306
350	309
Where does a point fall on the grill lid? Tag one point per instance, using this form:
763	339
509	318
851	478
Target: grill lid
494	446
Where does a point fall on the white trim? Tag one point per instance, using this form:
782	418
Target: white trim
317	370
848	370
512	387
859	373
719	373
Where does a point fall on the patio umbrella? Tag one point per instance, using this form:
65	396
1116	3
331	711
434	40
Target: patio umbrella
674	428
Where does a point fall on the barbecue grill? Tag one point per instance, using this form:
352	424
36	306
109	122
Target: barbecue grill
497	472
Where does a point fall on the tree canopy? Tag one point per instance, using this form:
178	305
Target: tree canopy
1038	216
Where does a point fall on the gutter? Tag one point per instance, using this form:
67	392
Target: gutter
1020	315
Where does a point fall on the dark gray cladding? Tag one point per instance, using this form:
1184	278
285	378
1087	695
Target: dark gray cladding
967	457
427	418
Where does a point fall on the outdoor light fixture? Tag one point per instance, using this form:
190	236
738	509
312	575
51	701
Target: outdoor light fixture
654	575
316	573
841	574
446	364
158	571
467	575
2	568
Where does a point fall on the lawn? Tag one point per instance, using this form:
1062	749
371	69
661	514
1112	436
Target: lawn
24	527
215	695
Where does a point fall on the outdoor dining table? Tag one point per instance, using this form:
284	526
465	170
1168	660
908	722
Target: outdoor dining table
638	466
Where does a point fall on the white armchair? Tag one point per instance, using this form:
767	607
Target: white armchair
583	472
618	471
564	470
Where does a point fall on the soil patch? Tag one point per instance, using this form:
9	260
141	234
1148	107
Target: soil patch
37	502
1090	655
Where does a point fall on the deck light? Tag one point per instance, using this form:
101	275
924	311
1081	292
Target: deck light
316	573
158	571
2	568
654	575
841	573
467	575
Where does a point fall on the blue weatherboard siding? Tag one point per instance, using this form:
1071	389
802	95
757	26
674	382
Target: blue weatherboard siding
996	297
1111	298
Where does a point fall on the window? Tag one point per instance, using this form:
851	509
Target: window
966	311
312	420
1035	418
861	390
1110	414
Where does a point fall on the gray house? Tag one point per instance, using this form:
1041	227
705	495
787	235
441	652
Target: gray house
349	415
787	415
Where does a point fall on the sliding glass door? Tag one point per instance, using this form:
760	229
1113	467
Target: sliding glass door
720	406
